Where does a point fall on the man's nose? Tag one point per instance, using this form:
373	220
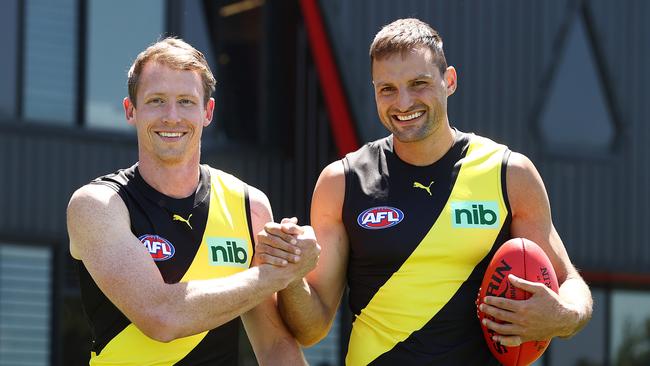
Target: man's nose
404	100
172	113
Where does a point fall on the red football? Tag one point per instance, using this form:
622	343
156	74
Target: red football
526	260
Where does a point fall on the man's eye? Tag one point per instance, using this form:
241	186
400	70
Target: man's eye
155	101
186	102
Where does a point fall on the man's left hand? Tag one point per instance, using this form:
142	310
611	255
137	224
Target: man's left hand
541	317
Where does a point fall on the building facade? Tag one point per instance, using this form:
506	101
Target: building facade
564	82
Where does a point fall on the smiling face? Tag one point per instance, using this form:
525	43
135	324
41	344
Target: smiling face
411	94
170	114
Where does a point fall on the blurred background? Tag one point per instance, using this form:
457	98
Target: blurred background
565	82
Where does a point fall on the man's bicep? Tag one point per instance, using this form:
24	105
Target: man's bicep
261	211
94	214
531	213
100	236
328	278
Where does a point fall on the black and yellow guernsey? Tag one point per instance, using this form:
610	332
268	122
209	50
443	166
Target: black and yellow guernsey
206	235
420	241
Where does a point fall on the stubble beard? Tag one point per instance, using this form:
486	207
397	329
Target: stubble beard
414	133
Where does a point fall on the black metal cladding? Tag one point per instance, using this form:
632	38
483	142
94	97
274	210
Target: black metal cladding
503	52
41	167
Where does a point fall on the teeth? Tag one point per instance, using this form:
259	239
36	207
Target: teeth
170	134
410	116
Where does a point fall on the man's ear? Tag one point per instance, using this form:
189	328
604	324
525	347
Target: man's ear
129	111
451	80
209	112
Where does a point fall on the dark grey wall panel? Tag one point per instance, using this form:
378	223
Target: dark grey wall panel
8	64
41	168
504	52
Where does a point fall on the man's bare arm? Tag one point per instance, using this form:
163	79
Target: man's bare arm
272	342
545	314
100	236
308	305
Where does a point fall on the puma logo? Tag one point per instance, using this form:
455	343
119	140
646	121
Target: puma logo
426	188
181	219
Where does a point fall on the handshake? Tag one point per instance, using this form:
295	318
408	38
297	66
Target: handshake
287	250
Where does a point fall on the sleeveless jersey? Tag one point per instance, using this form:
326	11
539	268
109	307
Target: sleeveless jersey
204	236
420	241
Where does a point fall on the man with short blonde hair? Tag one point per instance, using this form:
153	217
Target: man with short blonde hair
165	247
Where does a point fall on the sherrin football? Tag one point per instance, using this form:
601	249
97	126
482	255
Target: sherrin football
524	259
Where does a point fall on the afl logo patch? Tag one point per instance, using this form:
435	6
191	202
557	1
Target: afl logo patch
159	248
381	217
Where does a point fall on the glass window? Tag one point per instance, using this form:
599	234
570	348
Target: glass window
577	116
630	328
194	29
115	37
238	34
25	297
50	78
588	346
8	38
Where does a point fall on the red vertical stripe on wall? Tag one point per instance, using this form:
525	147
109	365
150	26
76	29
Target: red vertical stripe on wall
342	126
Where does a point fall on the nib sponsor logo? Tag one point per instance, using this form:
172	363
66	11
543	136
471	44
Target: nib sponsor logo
159	248
479	215
231	252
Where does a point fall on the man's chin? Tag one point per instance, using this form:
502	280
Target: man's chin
408	137
170	158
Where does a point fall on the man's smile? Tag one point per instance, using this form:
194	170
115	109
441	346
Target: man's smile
408	117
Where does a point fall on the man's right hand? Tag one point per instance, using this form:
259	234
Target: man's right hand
287	245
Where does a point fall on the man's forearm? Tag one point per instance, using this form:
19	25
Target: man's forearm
285	352
197	306
303	312
576	293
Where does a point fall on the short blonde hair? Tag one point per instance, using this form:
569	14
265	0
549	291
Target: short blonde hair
403	35
176	54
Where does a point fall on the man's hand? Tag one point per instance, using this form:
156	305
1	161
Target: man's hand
287	245
277	243
541	317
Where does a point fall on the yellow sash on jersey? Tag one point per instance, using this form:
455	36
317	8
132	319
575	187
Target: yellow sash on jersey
442	261
227	223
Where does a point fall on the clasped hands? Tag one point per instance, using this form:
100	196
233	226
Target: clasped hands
287	244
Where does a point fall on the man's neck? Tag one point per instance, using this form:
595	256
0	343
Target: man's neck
174	180
427	151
